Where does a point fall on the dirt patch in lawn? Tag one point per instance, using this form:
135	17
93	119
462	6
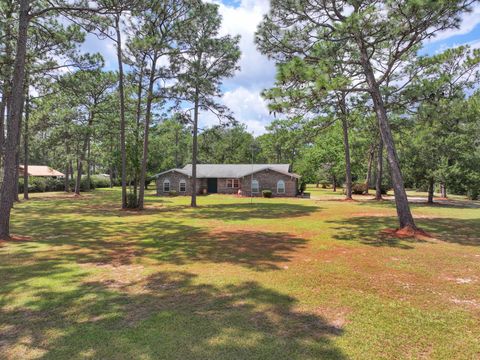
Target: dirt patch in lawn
15	238
407	233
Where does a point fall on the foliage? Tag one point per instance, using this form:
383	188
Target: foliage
267	193
359	188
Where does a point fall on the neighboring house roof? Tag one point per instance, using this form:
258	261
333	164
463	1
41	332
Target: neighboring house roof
231	170
36	170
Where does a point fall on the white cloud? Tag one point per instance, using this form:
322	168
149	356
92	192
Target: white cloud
248	107
468	23
257	72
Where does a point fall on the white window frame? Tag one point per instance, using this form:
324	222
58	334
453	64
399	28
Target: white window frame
282	188
256	189
184	183
165	182
232	182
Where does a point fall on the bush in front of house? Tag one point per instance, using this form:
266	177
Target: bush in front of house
173	193
35	185
267	193
359	189
54	184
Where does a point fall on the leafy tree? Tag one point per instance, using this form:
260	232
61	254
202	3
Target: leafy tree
201	60
438	94
155	27
170	145
225	145
372	39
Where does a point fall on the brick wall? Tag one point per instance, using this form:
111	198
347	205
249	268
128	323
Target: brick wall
175	178
267	181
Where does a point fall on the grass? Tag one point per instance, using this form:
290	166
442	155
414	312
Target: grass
272	279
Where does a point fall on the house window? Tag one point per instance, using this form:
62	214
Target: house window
166	186
183	186
255	187
233	183
281	187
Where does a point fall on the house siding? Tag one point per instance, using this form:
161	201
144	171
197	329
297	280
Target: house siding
267	181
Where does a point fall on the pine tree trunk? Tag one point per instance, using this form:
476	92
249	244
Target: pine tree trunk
148	115
89	179
346	145
79	176
378	182
334	181
67	179
401	200
3	108
369	168
71	169
8	186
25	149
194	152
431	189
177	165
443	190
123	148
6	74
17	173
137	129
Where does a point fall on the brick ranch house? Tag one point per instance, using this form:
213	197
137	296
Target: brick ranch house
229	179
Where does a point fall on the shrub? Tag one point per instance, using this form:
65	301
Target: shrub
85	185
54	184
359	189
303	187
173	193
473	193
384	189
100	181
36	184
132	202
267	193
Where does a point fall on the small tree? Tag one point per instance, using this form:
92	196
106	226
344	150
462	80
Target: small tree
201	60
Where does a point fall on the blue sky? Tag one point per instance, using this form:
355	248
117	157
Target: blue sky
242	92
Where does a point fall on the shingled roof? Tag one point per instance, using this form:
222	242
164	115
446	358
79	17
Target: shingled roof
232	171
41	171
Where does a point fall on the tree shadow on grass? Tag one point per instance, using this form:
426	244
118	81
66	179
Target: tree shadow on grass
168	315
173	242
447	203
368	230
245	211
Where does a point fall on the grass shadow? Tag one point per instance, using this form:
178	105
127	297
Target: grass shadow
368	230
246	211
167	315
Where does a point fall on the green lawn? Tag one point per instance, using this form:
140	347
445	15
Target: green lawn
272	279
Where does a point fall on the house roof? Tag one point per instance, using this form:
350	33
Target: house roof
231	170
45	171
